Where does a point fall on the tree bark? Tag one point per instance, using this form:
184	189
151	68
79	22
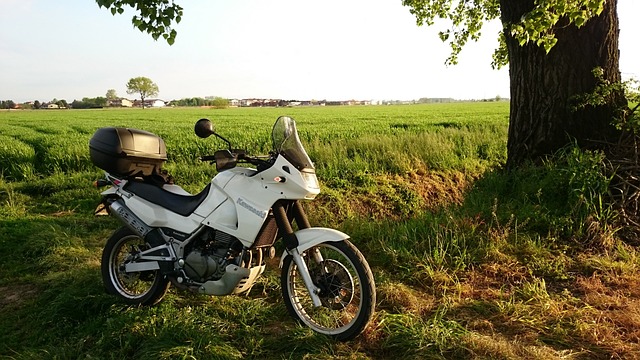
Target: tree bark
544	86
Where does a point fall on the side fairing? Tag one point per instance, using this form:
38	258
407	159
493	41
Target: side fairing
250	195
246	206
214	200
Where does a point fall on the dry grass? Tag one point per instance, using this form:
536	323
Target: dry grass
393	197
509	314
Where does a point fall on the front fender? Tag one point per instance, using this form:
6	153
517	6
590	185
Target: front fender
310	237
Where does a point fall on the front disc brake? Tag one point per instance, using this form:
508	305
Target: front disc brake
336	285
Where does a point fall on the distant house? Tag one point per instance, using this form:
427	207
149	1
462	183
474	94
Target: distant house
234	102
247	102
150	103
53	106
120	102
154	103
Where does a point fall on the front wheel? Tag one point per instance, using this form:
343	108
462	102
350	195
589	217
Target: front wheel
135	288
347	290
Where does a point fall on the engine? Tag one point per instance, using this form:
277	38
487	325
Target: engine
208	258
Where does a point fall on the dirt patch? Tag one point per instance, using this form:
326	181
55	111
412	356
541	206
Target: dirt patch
12	297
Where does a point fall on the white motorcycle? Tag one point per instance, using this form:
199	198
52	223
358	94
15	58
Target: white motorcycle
216	242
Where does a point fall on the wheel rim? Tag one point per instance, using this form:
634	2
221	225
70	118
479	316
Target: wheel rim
340	292
130	285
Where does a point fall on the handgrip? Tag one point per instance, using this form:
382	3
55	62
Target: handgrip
208	158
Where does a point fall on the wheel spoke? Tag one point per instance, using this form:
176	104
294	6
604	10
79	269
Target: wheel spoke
139	288
131	284
341	291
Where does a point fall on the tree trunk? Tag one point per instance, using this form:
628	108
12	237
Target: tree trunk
544	86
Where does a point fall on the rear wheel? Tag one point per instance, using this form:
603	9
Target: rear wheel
347	290
136	288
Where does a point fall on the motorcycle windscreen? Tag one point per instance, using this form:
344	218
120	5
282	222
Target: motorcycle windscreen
287	143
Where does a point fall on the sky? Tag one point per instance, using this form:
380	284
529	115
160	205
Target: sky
280	49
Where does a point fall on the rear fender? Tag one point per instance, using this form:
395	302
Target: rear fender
112	190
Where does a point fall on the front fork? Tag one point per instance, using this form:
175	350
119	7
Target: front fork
306	277
283	221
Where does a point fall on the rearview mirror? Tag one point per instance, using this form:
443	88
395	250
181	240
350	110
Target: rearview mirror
204	128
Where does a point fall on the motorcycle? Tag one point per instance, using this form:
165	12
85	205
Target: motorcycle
216	242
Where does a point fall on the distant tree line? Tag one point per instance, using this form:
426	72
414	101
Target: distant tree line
198	101
85	103
101	102
7	104
90	103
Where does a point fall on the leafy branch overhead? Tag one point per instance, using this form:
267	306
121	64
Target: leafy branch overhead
155	17
538	26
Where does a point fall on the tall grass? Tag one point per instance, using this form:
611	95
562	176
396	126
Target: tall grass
343	142
17	159
470	261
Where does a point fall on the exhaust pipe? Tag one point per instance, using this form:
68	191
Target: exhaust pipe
130	219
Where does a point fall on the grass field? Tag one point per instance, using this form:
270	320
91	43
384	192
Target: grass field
53	141
470	261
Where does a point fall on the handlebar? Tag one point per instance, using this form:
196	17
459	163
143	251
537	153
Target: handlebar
225	159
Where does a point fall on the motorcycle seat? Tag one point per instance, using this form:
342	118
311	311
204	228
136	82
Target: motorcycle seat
183	205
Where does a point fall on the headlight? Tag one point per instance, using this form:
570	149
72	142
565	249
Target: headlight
310	179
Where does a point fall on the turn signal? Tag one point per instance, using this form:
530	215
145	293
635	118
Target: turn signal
100	183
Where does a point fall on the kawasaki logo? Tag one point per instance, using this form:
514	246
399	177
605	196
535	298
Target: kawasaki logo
259	213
